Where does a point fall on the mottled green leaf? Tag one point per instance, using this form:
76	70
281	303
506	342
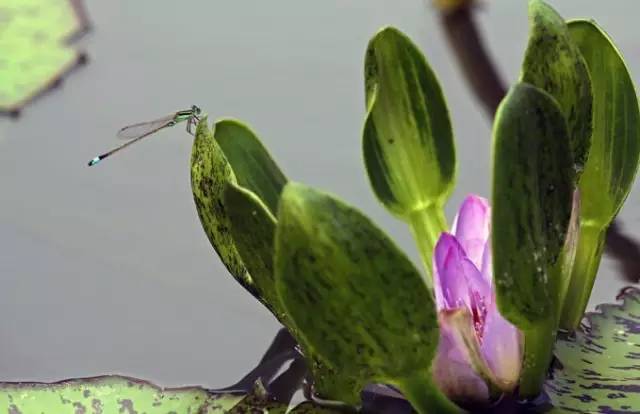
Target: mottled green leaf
117	395
355	296
407	139
109	395
254	168
613	161
533	180
33	41
598	370
210	173
553	63
252	229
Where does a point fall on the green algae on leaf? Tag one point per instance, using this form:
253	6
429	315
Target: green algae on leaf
598	369
35	53
334	271
533	184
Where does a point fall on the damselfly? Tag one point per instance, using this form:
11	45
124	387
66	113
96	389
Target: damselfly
136	132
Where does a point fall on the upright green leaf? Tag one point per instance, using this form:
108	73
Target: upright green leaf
553	63
598	368
407	139
533	180
254	168
613	161
355	297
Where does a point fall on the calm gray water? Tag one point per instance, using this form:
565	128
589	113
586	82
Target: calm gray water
107	270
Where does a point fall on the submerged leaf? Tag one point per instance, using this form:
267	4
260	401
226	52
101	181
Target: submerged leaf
355	296
554	64
598	370
613	161
533	184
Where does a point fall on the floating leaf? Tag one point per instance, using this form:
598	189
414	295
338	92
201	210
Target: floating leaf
109	394
599	370
613	161
533	180
117	394
554	64
355	296
35	55
408	140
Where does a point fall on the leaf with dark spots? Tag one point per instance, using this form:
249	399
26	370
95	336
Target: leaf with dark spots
325	252
529	223
599	370
210	173
554	64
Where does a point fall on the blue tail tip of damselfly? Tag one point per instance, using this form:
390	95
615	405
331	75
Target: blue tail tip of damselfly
94	161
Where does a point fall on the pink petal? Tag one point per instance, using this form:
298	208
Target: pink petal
487	264
471	227
502	348
457	282
452	367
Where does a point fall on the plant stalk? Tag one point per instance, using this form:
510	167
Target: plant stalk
426	225
588	255
425	397
538	352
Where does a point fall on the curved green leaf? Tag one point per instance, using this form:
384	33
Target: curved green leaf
355	296
252	229
613	161
407	139
533	180
553	63
210	172
598	370
254	168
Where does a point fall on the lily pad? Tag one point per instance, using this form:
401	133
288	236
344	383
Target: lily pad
114	394
599	369
34	39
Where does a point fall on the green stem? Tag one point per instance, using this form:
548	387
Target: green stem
426	225
538	352
425	397
590	246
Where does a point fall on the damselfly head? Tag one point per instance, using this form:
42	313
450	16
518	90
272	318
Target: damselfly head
196	110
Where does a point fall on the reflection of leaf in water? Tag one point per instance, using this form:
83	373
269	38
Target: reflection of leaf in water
34	51
600	369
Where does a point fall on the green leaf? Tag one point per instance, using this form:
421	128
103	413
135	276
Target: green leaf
533	180
598	370
110	395
355	296
407	139
35	50
613	161
254	168
553	63
116	394
210	173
